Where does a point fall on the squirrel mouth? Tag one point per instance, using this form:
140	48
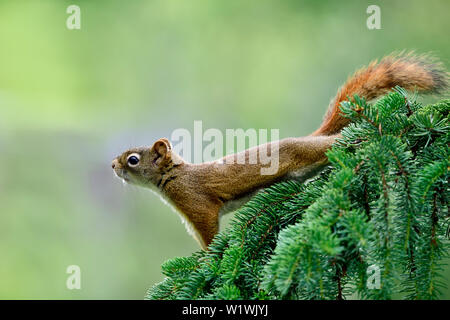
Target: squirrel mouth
122	174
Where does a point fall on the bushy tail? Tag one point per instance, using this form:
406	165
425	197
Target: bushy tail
420	73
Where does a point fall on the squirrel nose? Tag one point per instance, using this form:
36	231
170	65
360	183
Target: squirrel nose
113	164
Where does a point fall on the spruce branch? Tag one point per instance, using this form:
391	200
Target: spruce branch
382	203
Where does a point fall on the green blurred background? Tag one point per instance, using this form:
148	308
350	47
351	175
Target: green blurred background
71	100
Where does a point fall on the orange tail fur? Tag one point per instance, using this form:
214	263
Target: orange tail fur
412	72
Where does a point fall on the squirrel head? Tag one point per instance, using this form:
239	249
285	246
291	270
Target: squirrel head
145	166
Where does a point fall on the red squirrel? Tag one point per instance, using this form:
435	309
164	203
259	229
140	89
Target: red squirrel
201	193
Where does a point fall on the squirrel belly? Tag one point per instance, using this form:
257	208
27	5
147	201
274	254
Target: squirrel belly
301	174
201	193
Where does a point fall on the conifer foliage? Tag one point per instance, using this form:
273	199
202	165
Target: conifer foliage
373	225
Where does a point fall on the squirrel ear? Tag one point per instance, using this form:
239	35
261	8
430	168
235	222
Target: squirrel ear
162	147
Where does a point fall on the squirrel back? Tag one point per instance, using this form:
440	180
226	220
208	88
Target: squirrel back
407	70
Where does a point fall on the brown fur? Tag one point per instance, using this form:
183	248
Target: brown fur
200	191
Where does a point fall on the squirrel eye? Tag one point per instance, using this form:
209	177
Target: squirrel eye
133	160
